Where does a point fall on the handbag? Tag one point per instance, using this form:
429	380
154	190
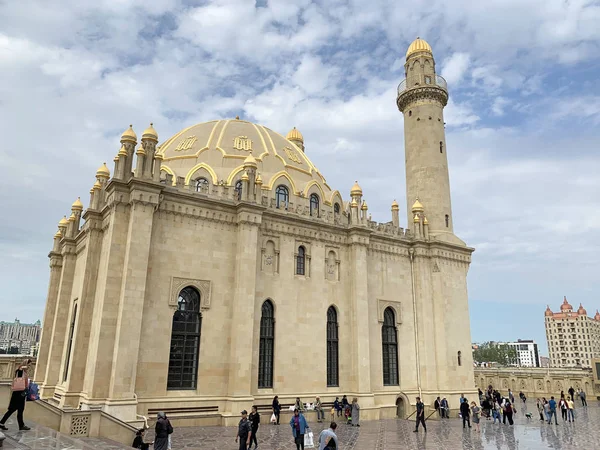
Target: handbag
309	440
20	383
273	418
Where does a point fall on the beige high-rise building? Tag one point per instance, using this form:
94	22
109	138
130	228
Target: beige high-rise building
219	269
573	337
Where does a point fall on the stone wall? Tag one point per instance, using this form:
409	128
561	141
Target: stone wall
538	381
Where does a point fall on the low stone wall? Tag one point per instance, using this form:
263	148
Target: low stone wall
537	381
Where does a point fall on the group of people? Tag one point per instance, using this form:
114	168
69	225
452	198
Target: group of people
162	434
566	404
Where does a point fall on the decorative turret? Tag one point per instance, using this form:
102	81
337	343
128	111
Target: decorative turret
581	310
417	226
395	213
364	215
62	225
296	137
566	307
76	209
103	173
128	141
149	141
422	96
417	207
129	135
548	312
150	134
597	316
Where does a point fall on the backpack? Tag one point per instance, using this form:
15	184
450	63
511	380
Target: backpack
33	392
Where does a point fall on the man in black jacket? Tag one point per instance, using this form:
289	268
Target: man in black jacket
420	415
254	421
465	412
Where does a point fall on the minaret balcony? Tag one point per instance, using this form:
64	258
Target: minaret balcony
427	80
431	87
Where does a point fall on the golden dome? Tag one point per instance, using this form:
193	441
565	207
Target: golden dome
97	185
295	135
58	235
259	179
245	177
416	219
150	133
103	171
250	161
425	221
417	206
353	203
116	158
77	205
356	189
63	222
140	150
122	151
418	45
395	206
364	206
72	218
158	156
129	135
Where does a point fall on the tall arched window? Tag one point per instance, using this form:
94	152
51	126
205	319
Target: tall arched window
332	348
301	261
70	343
282	197
314	205
389	341
202	185
238	190
267	341
336	208
185	341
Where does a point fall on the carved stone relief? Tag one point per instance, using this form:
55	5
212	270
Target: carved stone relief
203	287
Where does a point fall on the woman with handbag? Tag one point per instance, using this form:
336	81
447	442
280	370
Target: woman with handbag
18	396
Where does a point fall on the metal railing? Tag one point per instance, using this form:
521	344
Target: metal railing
437	81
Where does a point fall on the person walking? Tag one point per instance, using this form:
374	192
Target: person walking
572	392
582	396
496	411
508	413
552	406
319	410
420	415
254	419
328	439
299	427
465	412
276	408
18	396
162	430
562	404
540	407
511	396
570	409
355	413
475	410
244	433
445	408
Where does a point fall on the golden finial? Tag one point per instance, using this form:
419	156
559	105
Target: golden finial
77	205
356	189
417	206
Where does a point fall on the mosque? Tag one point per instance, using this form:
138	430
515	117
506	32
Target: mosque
219	268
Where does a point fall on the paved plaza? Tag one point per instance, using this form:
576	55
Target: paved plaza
377	435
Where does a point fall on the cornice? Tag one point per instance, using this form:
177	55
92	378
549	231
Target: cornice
429	92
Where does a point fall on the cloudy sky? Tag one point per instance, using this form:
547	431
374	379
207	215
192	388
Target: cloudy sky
523	122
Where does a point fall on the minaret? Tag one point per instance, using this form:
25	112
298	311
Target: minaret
421	98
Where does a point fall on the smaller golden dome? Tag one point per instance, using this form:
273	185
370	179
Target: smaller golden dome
63	222
103	171
123	151
417	206
77	205
250	161
97	185
418	45
425	221
72	218
395	206
353	203
57	235
259	179
416	219
295	135
129	135
140	150
150	133
356	189
116	158
159	156
245	176
364	206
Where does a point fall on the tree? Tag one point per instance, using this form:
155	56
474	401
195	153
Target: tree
493	352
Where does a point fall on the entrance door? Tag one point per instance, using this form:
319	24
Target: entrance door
400	408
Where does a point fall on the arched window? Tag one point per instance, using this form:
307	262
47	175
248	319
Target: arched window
267	341
201	185
70	343
301	261
336	208
314	205
238	190
389	341
282	197
459	358
447	220
332	348
441	147
185	341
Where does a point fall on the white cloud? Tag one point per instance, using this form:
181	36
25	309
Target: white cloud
455	67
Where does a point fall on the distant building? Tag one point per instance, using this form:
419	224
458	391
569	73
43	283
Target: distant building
527	353
22	338
573	337
544	361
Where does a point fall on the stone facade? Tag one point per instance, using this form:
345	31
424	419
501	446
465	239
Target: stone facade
537	382
241	216
573	337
